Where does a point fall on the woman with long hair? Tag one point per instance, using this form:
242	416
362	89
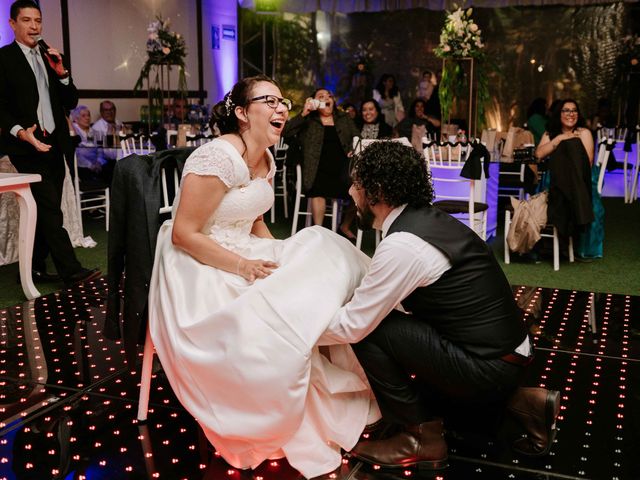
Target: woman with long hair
326	136
575	205
388	96
371	121
235	315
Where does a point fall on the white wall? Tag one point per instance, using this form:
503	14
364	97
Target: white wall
108	44
221	65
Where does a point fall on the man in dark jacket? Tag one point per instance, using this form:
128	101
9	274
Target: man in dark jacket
459	331
35	92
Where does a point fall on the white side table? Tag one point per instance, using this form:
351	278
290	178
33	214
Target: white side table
18	183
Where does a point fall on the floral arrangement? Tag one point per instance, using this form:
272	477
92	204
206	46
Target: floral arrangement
460	36
460	39
363	56
164	47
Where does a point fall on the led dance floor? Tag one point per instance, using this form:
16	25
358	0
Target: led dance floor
68	404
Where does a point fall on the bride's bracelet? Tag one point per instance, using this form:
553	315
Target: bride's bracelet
238	266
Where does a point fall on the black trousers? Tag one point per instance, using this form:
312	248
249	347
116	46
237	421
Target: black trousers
403	346
51	237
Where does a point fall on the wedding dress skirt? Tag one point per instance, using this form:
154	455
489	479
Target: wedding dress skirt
241	357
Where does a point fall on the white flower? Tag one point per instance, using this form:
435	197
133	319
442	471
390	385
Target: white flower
473	27
446	48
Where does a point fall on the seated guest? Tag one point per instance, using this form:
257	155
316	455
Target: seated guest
81	118
574	205
371	123
350	109
427	86
107	125
418	117
179	112
388	97
92	164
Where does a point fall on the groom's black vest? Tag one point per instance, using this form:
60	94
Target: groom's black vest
471	304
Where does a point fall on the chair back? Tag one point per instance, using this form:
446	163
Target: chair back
457	195
280	151
199	139
170	181
446	153
449	185
98	195
604	152
172	138
138	144
360	144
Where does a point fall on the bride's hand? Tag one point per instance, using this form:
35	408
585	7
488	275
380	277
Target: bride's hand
252	270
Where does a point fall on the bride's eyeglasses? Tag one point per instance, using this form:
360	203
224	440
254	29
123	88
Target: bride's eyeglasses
273	101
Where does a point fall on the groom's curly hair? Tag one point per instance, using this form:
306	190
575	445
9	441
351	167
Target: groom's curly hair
394	173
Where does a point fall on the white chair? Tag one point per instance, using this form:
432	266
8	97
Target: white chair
172	138
632	182
549	231
168	195
197	140
138	144
604	152
454	194
333	210
280	179
91	197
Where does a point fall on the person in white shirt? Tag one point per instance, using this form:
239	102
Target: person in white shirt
434	305
107	123
107	127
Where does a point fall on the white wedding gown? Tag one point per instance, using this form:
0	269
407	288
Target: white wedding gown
241	357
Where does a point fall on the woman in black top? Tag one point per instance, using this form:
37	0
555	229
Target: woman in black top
371	123
326	136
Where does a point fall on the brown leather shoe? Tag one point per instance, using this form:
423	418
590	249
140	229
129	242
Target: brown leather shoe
536	409
418	445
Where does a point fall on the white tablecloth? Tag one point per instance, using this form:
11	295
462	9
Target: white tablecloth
10	218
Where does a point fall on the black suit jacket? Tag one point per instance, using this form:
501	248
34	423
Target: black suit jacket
134	222
19	100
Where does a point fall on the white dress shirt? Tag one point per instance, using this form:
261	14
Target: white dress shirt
27	53
401	263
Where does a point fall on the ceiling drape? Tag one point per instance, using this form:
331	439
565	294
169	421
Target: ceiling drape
351	6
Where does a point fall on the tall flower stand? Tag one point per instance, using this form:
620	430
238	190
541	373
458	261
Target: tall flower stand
158	94
463	86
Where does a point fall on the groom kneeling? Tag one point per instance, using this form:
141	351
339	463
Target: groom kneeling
435	305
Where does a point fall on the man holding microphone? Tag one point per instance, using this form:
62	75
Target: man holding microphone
35	93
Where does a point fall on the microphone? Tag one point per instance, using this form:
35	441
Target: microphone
44	47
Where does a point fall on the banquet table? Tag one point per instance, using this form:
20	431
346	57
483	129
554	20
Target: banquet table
10	217
18	184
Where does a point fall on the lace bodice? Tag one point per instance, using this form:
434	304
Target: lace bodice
246	199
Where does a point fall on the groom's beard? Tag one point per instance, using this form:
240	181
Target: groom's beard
365	217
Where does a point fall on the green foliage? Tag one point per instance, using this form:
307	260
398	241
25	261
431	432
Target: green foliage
460	41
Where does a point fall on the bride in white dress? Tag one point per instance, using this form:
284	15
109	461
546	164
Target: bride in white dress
235	315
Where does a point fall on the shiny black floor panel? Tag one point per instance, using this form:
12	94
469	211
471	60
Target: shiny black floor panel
68	404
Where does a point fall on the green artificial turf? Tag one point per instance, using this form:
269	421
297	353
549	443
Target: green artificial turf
617	272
